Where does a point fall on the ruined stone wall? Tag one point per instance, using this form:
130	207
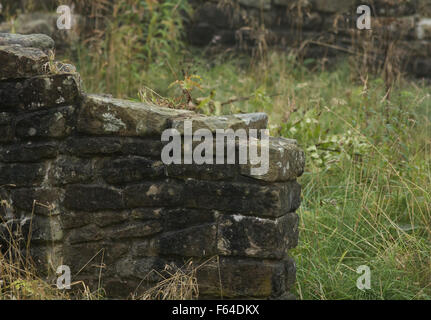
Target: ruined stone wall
104	197
320	28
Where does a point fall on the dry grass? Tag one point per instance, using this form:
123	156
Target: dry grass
177	283
18	278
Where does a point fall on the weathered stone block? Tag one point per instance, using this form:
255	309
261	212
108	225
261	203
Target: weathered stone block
286	161
46	229
143	268
92	146
135	229
167	194
92	198
131	169
204	171
77	219
105	116
87	147
53	124
22	175
89	233
42	201
178	219
272	200
29	152
40	41
238	121
19	62
93	257
47	257
71	170
250	237
198	241
39	92
242	278
7	129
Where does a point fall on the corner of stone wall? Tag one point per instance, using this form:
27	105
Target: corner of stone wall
105	198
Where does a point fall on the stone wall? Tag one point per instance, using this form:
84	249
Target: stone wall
105	199
320	28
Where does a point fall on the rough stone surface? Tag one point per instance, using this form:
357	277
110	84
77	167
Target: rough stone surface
86	174
56	123
40	41
7	130
286	163
105	116
20	62
234	122
39	92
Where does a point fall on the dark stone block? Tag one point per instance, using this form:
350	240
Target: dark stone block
19	62
89	233
90	146
142	147
87	147
70	170
289	225
47	200
22	175
134	230
7	128
290	273
54	124
92	198
231	278
89	257
203	172
198	241
143	268
72	219
272	200
167	194
131	169
250	237
46	229
104	116
46	257
40	92
177	219
30	152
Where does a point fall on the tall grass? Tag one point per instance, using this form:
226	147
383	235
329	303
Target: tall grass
137	36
